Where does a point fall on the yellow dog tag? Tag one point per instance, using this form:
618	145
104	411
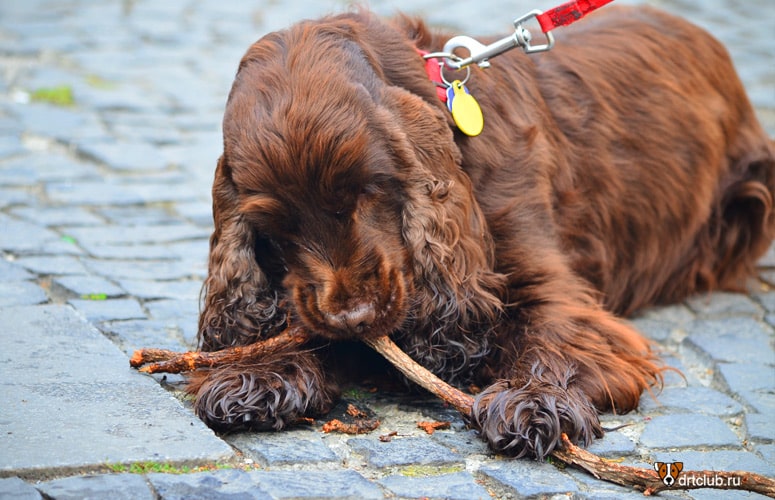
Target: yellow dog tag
465	110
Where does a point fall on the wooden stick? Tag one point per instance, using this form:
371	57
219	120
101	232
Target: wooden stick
649	482
645	480
459	400
164	361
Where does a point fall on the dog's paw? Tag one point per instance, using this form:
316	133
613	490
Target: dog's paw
259	397
527	420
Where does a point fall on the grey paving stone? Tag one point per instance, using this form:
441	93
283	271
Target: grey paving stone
530	478
741	327
25	237
11	130
683	377
593	489
760	426
141	215
676	314
458	486
96	311
620	495
126	251
713	494
143	270
16	196
724	304
767	300
346	484
69	399
16	489
199	212
10	145
47	76
95	192
749	376
722	460
465	442
762	401
113	191
118	234
767	451
113	486
53	265
86	286
272	449
136	334
200	153
743	340
59	216
11	271
109	96
47	166
231	484
404	451
154	130
66	125
612	444
137	156
670	431
654	329
691	399
196	249
21	293
181	314
151	289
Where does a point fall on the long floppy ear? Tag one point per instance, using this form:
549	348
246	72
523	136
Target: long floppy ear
239	306
443	226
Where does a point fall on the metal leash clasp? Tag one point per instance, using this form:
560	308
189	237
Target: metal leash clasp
480	53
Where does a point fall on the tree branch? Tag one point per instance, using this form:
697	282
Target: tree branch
165	361
645	480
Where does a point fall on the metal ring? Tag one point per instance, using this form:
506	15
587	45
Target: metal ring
448	55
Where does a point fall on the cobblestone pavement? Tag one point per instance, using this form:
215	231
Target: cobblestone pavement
104	220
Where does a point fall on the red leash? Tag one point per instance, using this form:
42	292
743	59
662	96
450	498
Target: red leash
567	13
479	53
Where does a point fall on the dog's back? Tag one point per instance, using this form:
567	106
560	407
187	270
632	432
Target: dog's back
664	181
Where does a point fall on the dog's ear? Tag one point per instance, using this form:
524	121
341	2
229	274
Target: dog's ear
238	304
443	226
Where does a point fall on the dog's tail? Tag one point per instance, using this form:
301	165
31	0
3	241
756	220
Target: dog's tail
745	218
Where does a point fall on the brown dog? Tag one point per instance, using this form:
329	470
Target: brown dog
621	169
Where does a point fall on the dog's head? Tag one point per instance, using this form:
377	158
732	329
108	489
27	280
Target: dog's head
341	190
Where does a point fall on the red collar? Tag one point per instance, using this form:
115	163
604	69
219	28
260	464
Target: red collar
433	68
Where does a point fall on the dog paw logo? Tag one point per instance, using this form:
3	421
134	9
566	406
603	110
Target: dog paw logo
668	471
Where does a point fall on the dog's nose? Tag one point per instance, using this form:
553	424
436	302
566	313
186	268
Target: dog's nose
355	320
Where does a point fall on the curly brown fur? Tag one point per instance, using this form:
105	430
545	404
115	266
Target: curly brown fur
608	178
267	395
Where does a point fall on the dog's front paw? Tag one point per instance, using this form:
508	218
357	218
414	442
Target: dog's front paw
260	396
528	419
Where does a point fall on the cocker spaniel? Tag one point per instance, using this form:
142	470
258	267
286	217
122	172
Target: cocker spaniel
622	169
